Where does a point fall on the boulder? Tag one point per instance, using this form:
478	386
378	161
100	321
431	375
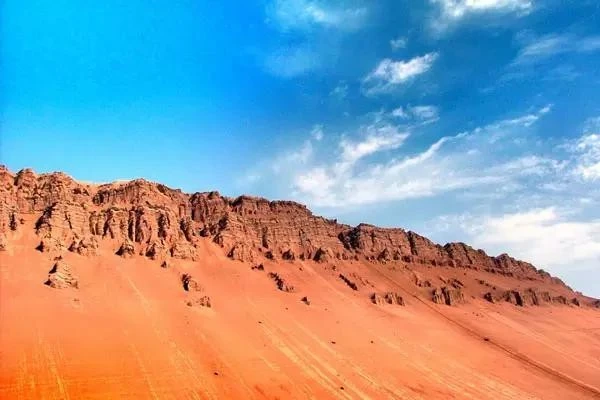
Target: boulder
61	277
127	249
448	295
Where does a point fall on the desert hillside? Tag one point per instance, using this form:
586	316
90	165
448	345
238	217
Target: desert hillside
136	290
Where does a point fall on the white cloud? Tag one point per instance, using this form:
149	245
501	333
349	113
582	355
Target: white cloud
309	33
377	138
340	91
401	112
317	133
398	43
547	46
548	237
450	12
425	112
446	165
422	113
292	159
587	149
389	74
457	9
306	14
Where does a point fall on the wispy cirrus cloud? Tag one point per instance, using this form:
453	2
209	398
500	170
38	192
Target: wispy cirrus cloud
398	43
309	33
587	151
541	48
419	113
390	74
310	14
340	91
373	164
452	11
551	220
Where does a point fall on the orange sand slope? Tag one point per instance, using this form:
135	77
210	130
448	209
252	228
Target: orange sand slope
127	332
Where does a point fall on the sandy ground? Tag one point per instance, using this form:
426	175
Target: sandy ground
127	333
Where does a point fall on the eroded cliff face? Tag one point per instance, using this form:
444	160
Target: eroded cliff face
141	218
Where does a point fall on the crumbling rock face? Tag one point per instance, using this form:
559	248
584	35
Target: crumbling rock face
156	250
420	282
393	298
202	301
183	250
560	300
241	252
87	246
323	255
531	297
60	277
514	297
50	244
3	242
127	249
281	283
348	282
377	299
448	295
190	284
288	255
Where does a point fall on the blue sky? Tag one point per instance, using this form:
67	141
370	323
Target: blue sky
470	120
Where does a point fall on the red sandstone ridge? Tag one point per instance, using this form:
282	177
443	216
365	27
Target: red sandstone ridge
142	218
137	291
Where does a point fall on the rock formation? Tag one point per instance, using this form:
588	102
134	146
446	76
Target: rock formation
388	297
202	301
281	283
352	285
190	284
60	276
448	295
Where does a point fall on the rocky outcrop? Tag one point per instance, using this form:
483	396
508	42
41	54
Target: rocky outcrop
281	283
127	249
323	255
190	284
387	298
87	246
528	297
393	298
420	282
352	285
202	301
448	295
61	277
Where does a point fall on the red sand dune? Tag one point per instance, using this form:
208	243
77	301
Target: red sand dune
333	311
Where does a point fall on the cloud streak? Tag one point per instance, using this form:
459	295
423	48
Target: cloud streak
372	168
548	46
389	74
306	15
450	12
